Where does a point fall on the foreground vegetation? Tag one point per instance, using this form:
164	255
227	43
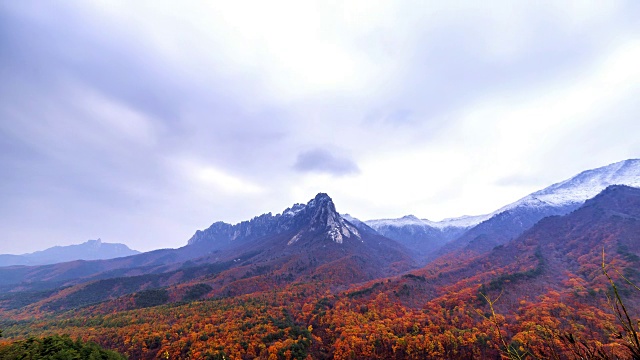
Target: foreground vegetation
56	348
308	322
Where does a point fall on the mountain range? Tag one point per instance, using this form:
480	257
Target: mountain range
89	250
310	242
478	234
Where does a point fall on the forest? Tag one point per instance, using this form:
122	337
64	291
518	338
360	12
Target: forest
374	321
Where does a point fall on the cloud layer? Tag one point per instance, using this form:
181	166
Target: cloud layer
140	123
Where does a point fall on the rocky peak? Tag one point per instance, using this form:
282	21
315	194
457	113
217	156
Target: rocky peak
321	216
320	200
411	217
323	209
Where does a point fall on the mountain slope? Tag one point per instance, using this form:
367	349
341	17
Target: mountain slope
90	250
558	199
565	252
559	253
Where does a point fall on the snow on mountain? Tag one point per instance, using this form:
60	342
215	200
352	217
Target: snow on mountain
512	220
292	211
583	186
351	219
359	224
403	221
411	220
573	191
465	221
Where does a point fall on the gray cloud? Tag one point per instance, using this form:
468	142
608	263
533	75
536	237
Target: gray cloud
323	161
72	168
95	112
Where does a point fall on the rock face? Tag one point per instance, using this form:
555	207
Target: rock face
320	216
90	250
317	217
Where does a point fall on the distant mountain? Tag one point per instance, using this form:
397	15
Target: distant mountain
430	239
90	250
423	236
310	242
558	199
462	222
359	224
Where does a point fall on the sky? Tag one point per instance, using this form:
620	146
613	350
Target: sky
141	122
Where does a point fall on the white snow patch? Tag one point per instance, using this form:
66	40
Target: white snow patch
292	211
339	229
294	239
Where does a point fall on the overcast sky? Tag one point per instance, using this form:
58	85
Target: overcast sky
141	122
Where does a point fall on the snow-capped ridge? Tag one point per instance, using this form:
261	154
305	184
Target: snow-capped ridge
573	191
465	221
406	220
582	187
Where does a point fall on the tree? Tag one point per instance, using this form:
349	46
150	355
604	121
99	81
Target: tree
510	351
630	332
